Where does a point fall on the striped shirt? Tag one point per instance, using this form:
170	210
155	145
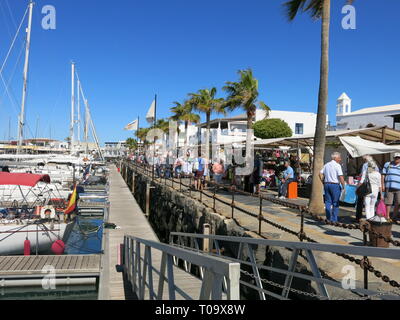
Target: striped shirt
391	171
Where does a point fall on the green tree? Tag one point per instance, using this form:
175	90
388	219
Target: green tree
205	101
318	9
272	128
131	144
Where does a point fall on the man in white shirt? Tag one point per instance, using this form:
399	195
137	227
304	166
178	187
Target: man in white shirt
332	178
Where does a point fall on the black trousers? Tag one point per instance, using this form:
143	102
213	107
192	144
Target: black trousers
359	208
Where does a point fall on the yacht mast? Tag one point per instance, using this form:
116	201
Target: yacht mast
72	138
79	112
21	120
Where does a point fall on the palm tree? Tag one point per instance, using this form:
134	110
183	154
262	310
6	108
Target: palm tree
244	94
318	9
205	101
184	113
132	144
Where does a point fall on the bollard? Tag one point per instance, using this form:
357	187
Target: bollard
206	241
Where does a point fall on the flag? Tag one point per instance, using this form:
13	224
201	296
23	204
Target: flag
133	126
151	115
72	202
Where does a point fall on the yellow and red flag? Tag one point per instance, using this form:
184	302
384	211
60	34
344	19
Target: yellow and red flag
72	203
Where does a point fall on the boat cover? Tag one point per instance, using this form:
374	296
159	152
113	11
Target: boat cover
22	179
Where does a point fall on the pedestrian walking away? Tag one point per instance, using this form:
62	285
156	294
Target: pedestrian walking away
332	177
391	185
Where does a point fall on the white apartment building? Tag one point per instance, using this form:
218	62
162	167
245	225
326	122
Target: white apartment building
234	129
373	116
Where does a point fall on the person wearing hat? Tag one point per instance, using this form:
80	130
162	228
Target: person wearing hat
391	185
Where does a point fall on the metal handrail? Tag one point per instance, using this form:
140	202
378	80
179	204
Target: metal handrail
364	264
296	247
139	271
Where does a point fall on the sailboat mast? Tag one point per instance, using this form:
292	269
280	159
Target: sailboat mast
72	138
79	112
21	122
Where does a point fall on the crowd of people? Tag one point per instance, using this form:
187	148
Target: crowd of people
380	185
276	173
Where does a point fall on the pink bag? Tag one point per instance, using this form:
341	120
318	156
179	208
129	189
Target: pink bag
381	210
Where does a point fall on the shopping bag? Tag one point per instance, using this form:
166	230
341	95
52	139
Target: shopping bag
343	195
381	209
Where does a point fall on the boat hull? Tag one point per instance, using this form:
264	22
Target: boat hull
13	236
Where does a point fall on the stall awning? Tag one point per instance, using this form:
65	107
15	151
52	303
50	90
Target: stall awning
22	179
358	147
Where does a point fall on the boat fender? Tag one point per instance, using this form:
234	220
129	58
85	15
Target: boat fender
58	247
27	248
44	213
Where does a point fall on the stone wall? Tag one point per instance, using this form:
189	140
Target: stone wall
171	211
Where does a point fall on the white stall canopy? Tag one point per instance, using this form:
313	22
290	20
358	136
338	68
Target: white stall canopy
358	147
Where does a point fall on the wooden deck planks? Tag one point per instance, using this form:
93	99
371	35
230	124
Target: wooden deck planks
125	212
32	265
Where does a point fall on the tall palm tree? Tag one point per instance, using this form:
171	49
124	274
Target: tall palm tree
318	9
205	101
184	113
244	94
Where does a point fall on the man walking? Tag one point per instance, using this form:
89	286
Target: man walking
332	178
391	185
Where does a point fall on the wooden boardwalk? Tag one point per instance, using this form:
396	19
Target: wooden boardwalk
126	213
21	267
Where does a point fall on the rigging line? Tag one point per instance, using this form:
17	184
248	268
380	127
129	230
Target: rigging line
11	14
5	20
13	42
12	77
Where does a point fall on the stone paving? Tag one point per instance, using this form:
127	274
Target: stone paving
291	219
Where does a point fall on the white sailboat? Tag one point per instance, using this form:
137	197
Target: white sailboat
34	219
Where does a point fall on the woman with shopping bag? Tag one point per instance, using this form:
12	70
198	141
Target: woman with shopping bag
372	177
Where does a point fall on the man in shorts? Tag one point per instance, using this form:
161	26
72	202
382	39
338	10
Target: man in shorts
391	185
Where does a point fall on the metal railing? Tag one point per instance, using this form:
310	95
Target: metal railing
233	204
138	265
246	247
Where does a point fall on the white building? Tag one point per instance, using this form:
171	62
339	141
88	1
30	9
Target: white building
373	116
234	129
300	122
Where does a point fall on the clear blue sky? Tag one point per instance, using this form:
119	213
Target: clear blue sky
128	50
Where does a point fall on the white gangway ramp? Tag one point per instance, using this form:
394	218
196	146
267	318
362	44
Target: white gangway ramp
126	213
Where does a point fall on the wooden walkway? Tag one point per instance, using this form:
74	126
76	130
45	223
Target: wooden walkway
126	213
20	267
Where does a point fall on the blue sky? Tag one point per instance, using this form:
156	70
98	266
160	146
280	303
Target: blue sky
128	50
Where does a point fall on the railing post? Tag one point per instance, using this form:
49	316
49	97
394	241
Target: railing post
366	262
302	234
206	241
190	185
214	199
233	201
260	216
147	199
133	181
